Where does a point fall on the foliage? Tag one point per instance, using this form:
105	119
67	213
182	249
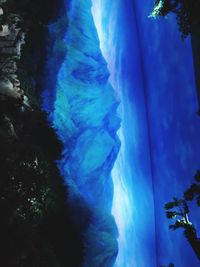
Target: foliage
186	11
178	211
36	227
193	192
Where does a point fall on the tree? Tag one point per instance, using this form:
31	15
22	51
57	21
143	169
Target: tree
36	225
178	210
186	11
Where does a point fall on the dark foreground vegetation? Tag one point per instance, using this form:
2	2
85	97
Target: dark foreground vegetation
178	210
36	228
35	225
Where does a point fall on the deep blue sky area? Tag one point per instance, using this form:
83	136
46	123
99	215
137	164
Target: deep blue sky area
160	127
154	76
159	71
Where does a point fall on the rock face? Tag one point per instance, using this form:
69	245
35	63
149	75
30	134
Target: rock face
82	108
12	37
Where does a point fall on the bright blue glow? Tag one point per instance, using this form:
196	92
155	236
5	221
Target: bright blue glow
122	208
128	175
122	202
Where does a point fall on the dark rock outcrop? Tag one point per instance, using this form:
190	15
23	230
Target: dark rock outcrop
12	38
36	227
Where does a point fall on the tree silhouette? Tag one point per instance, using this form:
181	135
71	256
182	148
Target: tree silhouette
186	11
36	225
178	211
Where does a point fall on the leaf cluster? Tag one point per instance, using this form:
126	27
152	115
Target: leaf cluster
186	11
178	210
193	192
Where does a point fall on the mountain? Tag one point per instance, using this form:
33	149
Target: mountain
83	110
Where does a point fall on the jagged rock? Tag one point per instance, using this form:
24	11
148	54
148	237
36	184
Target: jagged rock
5	86
13	78
26	103
14	51
4	30
84	114
5	42
1	11
10	125
10	67
11	40
14	31
8	89
85	109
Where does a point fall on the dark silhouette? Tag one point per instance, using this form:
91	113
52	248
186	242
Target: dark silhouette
178	210
36	225
186	11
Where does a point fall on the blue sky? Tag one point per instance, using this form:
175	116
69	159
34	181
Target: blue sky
152	72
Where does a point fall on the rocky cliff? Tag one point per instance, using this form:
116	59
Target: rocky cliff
11	40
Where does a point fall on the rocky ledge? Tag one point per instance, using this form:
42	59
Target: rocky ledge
12	38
